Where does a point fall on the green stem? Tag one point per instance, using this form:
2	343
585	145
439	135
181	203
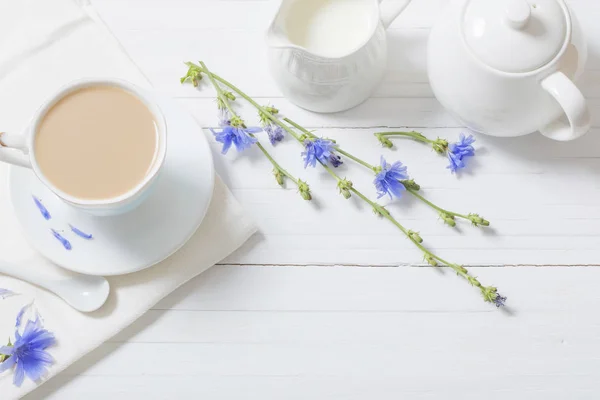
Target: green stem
430	204
489	293
225	101
356	159
412	134
251	101
383	212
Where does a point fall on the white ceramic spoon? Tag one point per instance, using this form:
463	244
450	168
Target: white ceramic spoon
82	292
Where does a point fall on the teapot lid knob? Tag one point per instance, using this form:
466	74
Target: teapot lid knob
515	36
518	13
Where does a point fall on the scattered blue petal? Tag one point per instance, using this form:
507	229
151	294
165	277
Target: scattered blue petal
80	233
42	208
459	151
387	181
321	150
28	307
28	354
4	293
240	137
66	244
275	133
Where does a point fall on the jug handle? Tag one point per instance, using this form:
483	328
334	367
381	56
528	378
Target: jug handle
13	150
390	9
574	106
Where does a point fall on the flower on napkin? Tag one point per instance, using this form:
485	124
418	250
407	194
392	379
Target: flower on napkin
28	355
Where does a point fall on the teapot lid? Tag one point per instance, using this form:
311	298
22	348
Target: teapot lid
515	35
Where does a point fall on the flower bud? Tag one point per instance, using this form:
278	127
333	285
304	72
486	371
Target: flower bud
237	122
229	95
430	260
440	145
304	190
411	184
415	236
491	295
477	220
271	110
344	187
278	176
385	142
448	219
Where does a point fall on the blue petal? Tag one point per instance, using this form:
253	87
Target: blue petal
253	129
19	375
80	233
43	210
7	350
8	364
34	368
43	339
20	315
66	244
4	293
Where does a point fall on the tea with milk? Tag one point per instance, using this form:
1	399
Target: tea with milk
96	143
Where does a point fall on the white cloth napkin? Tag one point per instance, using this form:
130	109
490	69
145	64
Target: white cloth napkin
45	44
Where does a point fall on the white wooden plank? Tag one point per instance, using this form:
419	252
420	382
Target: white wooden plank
499	387
352	333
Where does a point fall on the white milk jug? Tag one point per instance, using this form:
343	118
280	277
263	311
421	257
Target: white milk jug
329	55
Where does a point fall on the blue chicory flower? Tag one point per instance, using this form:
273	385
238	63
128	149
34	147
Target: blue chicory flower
4	293
321	150
28	354
457	152
275	133
43	210
387	181
66	244
80	233
240	137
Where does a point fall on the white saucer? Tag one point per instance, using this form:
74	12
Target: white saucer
141	238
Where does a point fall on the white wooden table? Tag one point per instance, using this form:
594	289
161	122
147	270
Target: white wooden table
327	301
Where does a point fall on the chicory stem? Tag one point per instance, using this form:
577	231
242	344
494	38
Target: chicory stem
412	134
489	293
227	104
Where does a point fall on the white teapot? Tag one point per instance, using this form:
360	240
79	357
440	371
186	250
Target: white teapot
329	55
506	67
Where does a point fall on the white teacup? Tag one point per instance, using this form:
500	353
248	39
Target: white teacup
19	149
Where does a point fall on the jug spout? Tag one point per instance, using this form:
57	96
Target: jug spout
277	38
277	34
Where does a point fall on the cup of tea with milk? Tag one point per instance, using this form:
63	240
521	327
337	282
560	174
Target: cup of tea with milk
98	144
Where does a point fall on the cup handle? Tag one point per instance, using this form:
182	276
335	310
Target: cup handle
13	150
390	9
574	106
